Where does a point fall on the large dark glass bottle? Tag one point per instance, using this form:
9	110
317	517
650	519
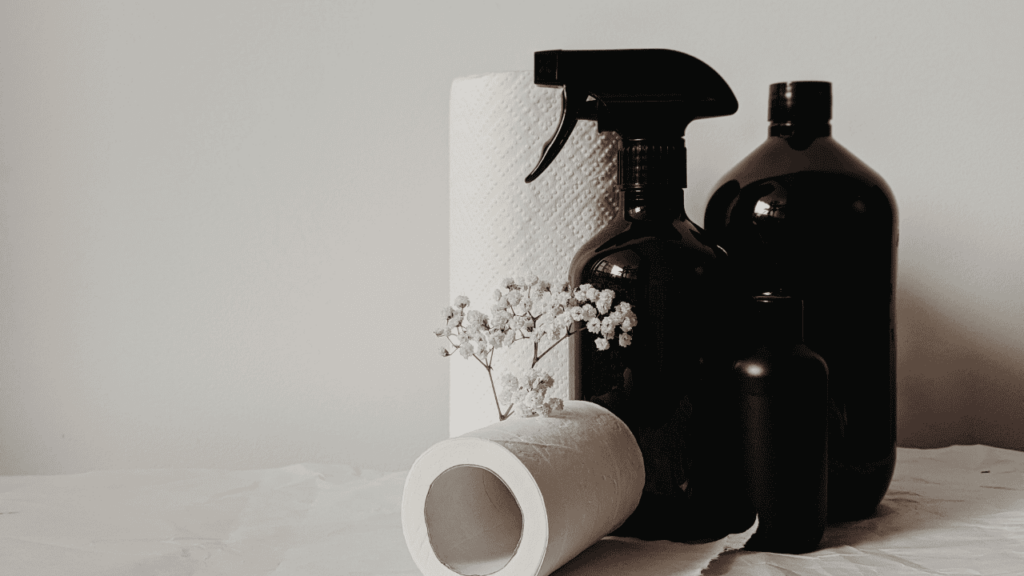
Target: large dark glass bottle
783	388
655	258
802	215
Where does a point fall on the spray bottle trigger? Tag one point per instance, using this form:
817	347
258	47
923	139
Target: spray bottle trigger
573	102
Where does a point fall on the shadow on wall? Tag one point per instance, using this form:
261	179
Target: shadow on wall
956	385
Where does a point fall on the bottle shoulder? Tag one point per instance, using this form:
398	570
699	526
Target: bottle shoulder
777	157
649	238
769	363
820	185
626	252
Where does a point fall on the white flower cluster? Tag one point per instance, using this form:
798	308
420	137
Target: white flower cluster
597	303
529	394
531	309
469	328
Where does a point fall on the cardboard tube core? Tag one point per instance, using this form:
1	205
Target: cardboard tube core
474	522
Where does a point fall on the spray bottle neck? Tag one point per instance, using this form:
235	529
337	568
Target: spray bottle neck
651	178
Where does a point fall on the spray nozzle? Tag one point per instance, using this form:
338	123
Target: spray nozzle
640	94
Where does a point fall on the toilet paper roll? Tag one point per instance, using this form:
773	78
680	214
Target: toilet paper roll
521	497
500	226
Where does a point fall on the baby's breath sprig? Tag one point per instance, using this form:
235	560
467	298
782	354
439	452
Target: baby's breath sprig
535	310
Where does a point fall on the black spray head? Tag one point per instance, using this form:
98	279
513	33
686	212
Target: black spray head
639	94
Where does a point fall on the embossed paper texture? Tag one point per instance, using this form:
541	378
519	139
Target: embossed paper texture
500	226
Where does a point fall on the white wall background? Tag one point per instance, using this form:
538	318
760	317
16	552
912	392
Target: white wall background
223	225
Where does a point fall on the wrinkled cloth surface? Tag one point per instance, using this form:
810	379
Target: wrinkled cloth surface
956	510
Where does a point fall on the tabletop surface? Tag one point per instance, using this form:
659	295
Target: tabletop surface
956	510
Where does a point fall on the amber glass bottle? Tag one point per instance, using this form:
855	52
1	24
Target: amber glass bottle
803	216
663	385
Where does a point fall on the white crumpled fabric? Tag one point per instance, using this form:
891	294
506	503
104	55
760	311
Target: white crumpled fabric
303	519
957	510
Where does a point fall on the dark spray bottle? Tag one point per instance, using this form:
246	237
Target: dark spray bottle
803	215
658	260
783	389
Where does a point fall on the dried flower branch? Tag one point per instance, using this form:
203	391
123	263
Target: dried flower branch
531	309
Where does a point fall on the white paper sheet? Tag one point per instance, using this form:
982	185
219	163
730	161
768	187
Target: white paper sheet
957	510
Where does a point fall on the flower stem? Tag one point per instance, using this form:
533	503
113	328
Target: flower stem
501	417
550	348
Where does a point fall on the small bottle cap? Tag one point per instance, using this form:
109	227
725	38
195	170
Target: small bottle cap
803	101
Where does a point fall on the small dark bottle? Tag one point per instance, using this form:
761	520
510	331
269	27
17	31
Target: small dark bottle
783	389
803	216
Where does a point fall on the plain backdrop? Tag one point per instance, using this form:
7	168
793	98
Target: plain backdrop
224	224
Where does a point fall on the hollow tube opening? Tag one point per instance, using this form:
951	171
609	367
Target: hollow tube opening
474	522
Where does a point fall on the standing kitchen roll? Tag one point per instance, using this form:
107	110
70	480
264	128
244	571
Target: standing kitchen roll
500	226
521	497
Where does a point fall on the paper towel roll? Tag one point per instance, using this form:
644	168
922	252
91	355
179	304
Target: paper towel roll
521	497
500	226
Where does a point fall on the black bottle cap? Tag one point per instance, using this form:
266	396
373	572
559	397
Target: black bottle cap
803	101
